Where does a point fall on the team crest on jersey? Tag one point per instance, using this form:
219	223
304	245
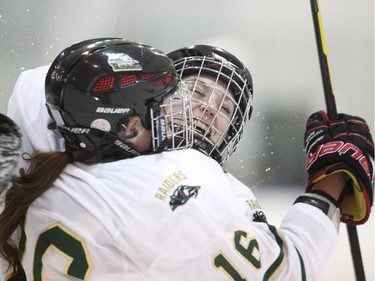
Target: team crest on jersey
123	62
182	194
259	216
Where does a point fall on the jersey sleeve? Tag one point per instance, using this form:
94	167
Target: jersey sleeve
312	234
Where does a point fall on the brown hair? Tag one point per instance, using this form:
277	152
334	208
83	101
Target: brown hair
44	168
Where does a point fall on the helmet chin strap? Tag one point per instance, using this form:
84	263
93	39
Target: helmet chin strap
111	138
207	148
163	146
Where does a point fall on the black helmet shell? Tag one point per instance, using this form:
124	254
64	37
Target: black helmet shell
94	85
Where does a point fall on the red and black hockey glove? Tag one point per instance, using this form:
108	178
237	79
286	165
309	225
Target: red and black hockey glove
342	145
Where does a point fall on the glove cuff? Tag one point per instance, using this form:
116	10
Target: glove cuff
324	202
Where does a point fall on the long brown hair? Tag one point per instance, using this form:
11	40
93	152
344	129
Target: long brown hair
44	168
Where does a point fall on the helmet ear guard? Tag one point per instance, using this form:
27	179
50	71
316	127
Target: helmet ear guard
205	60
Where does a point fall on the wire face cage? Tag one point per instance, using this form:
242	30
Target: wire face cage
220	103
210	110
172	128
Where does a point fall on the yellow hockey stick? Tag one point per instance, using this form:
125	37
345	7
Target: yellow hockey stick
332	113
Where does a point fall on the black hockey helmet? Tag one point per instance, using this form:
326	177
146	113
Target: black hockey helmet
94	85
224	66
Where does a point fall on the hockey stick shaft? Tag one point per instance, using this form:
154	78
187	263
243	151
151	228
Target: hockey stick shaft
323	60
332	113
356	253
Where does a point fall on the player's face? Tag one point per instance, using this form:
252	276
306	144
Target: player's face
212	106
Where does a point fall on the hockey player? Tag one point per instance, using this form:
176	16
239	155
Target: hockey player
173	215
121	70
195	64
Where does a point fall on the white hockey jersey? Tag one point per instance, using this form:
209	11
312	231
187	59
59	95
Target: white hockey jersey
169	216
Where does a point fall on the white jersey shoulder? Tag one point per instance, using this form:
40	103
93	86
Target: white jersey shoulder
27	107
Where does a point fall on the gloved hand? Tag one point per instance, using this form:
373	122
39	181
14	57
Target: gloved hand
10	145
342	145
